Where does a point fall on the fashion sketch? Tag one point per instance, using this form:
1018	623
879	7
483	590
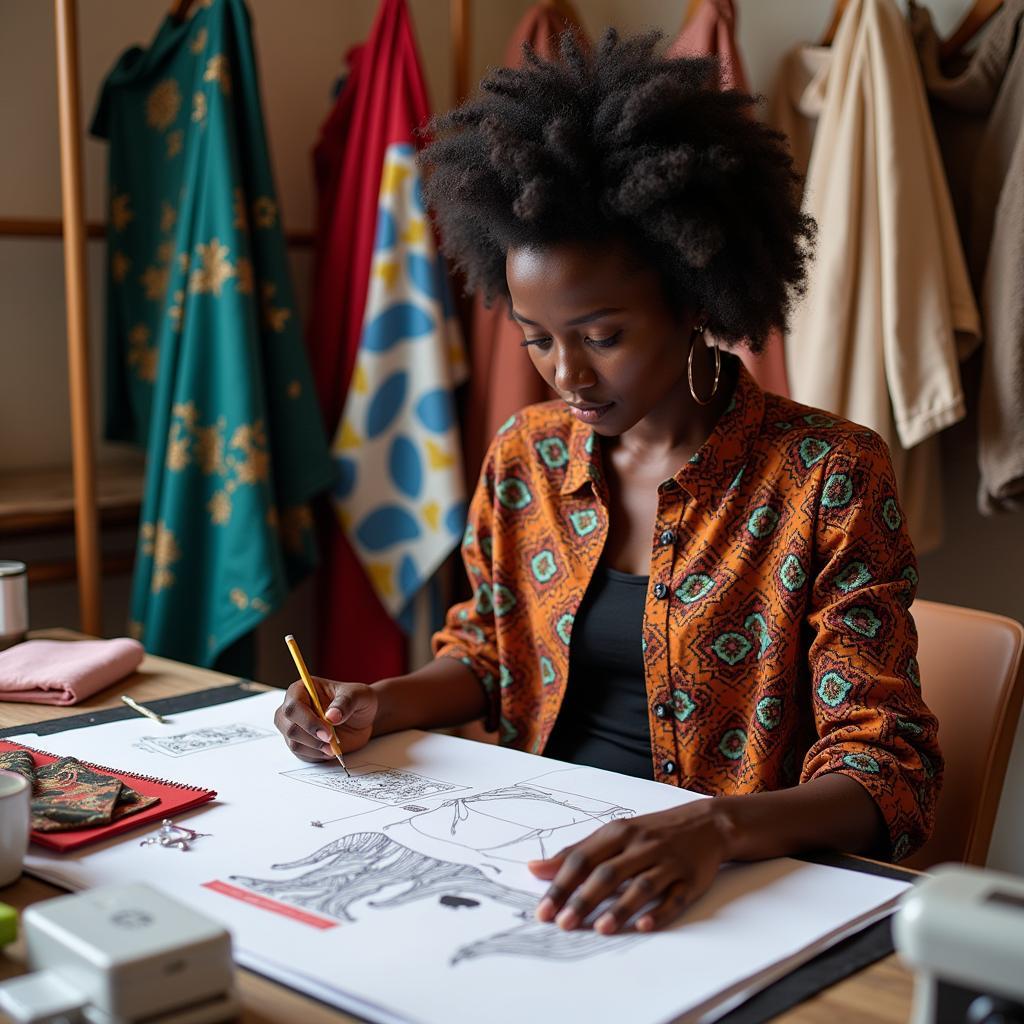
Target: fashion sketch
368	872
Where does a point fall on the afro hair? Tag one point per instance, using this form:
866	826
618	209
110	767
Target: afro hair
625	145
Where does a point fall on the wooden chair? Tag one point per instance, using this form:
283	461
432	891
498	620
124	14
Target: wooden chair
972	677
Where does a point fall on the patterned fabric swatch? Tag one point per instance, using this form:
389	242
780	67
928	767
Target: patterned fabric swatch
68	794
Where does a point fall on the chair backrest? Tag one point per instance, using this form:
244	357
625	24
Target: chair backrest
972	677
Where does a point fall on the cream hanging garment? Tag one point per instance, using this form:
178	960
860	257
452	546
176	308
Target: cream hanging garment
874	338
980	121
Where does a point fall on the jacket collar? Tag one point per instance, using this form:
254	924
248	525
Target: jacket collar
713	470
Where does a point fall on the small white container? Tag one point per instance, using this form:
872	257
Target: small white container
13	603
14	821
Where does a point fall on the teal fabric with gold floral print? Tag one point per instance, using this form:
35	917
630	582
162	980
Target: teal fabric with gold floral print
205	363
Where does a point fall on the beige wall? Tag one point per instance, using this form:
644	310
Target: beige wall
300	46
300	49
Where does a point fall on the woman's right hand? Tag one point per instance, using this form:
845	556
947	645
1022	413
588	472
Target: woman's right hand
352	709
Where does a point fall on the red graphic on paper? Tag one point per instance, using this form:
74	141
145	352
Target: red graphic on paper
275	906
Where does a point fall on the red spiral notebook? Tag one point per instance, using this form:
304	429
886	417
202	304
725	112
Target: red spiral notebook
172	798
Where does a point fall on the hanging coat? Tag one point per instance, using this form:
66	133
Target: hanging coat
205	364
981	122
875	336
503	378
388	356
711	32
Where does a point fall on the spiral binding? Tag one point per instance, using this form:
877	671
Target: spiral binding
110	771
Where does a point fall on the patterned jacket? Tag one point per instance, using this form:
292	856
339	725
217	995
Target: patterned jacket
778	643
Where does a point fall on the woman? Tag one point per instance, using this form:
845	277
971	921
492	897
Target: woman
731	567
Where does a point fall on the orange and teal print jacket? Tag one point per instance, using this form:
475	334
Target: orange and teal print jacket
778	642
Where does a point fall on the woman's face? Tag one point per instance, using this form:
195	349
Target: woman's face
599	331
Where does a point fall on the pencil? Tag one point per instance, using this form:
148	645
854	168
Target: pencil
307	681
142	709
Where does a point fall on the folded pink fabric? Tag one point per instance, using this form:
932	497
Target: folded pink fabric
65	671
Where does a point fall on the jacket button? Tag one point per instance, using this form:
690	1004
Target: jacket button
668	767
660	591
667	537
661	710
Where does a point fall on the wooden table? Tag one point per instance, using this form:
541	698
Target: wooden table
880	994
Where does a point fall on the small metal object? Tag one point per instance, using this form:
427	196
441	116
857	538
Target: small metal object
699	330
174	837
13	603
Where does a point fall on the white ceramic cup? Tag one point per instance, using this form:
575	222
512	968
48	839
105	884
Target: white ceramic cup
14	819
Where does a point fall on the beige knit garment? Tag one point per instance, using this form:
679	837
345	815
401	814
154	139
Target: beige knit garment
875	337
980	120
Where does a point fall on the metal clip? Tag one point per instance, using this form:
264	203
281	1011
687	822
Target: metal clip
174	837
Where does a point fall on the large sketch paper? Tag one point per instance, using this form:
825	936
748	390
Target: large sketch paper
402	894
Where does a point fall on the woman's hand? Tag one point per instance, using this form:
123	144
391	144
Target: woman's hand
352	710
656	863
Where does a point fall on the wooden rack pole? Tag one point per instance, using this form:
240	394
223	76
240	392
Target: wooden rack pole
460	49
87	548
53	227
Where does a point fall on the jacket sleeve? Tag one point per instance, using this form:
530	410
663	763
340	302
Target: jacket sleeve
469	633
872	722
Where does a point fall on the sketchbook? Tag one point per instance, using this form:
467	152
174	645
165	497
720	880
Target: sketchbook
171	798
401	894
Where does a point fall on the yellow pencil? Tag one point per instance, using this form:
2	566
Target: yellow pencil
307	680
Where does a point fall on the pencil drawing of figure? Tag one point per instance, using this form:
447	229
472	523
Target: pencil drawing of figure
373	782
372	868
546	941
211	737
520	823
363	865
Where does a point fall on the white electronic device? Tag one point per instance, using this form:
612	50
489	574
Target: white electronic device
962	930
121	954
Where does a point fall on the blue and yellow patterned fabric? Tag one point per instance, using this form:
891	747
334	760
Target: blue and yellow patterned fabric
400	495
205	364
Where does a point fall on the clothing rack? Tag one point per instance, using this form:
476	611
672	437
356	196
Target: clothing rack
83	446
72	227
53	227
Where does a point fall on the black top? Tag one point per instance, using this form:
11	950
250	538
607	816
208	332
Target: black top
603	719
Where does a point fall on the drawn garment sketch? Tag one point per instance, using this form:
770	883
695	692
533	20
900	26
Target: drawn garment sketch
527	821
364	865
546	941
391	925
373	782
197	740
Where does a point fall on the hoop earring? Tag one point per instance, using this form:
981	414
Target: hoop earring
699	329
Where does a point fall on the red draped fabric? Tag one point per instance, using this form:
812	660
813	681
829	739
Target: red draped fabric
382	101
